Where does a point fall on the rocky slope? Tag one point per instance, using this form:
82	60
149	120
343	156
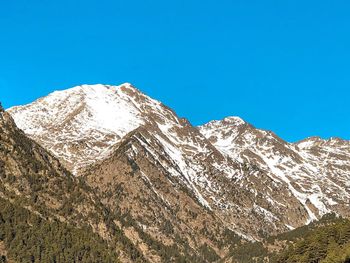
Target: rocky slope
315	171
38	196
230	174
143	184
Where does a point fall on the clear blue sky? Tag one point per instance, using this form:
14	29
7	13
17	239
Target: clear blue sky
281	65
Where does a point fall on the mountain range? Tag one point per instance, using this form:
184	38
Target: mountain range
159	189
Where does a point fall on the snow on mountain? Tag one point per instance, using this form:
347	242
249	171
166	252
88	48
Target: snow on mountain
315	170
223	132
80	125
249	178
88	117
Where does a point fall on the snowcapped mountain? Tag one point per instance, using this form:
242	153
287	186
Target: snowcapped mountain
80	124
253	182
316	171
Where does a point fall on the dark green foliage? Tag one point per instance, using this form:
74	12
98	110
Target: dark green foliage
208	253
31	177
179	252
168	228
327	243
29	238
230	238
300	232
250	252
3	259
327	239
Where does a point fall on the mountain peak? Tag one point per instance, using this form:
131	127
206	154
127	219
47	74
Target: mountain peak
126	85
314	141
75	118
81	124
98	87
230	121
234	120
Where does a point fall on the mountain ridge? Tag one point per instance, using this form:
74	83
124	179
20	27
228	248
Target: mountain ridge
250	178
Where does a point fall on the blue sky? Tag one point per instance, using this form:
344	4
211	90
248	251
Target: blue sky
280	65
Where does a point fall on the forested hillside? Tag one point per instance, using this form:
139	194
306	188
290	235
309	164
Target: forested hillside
30	238
323	241
326	244
44	205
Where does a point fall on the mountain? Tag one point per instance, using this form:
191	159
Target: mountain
43	204
79	125
179	191
142	183
163	141
316	171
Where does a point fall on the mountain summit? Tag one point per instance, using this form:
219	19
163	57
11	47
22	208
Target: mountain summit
252	181
80	124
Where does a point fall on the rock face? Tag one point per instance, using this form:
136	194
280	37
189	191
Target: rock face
315	171
174	179
141	182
